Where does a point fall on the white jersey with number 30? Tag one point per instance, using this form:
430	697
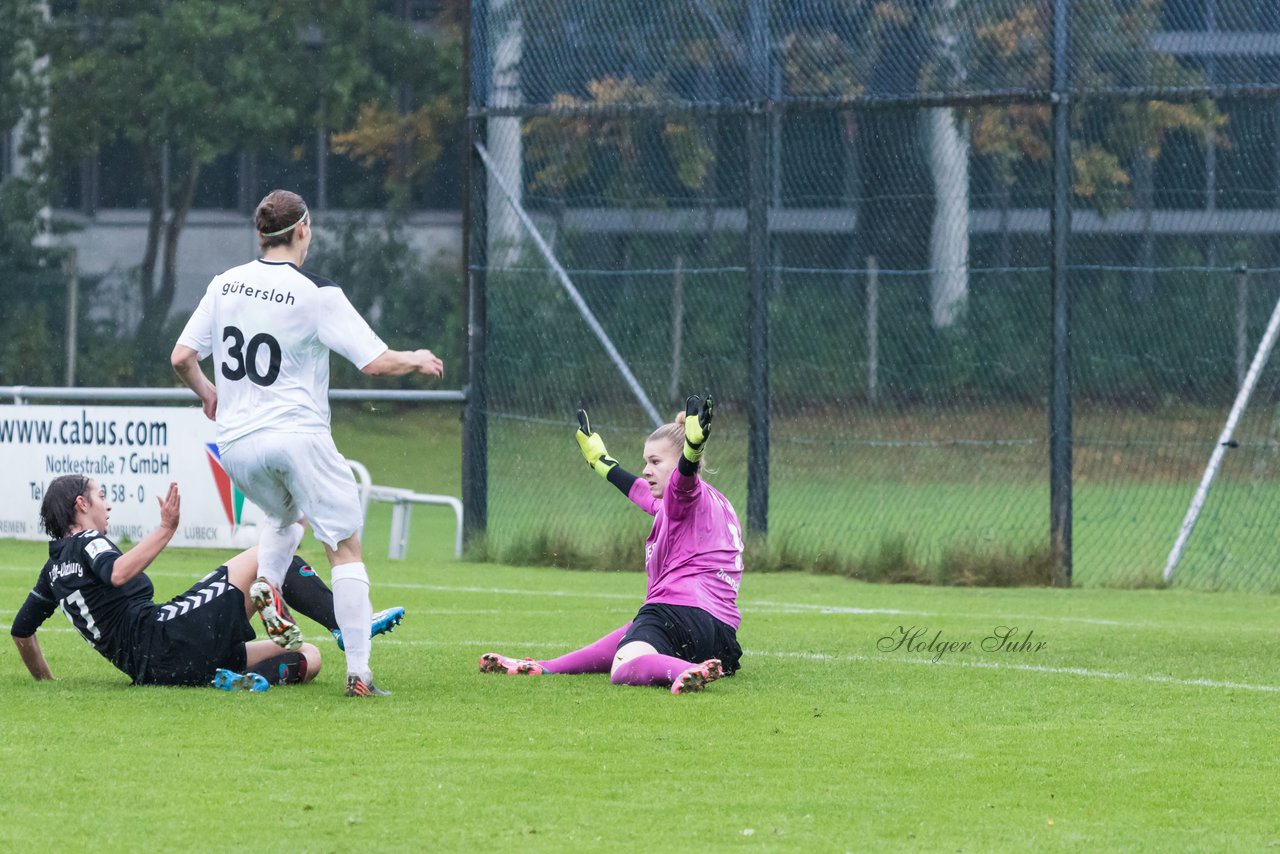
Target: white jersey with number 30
269	327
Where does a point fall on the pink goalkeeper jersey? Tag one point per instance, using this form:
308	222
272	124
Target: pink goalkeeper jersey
694	553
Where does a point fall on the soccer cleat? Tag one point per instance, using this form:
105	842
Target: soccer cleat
229	680
491	662
275	614
697	677
358	686
383	621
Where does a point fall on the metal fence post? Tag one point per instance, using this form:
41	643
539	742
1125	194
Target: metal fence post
758	259
475	425
1060	437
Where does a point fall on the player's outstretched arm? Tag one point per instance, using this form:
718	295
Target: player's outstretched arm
33	658
597	456
186	364
138	558
397	363
30	617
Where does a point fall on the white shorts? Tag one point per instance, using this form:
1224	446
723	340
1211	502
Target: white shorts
291	475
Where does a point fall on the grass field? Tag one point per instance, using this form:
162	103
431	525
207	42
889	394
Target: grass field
1146	722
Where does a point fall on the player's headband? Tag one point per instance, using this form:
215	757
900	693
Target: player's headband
301	219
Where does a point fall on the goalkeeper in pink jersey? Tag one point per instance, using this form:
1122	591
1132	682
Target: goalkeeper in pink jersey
685	634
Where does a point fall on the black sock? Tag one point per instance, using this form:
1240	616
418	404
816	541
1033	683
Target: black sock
306	593
287	668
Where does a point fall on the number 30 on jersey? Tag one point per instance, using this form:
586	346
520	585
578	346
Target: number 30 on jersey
242	359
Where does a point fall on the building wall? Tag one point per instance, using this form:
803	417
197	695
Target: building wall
110	244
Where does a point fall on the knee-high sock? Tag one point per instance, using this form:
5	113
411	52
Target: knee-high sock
652	669
354	612
306	593
275	550
593	658
287	668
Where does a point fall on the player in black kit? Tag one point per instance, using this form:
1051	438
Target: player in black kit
108	597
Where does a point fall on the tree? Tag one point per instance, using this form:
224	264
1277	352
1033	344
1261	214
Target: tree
184	83
22	194
29	272
996	46
406	121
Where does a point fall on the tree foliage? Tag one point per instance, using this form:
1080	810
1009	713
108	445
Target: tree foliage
403	125
21	104
181	83
185	83
564	150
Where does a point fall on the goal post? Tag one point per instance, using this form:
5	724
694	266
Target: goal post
1224	441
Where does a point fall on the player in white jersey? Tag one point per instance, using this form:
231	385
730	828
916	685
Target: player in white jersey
270	326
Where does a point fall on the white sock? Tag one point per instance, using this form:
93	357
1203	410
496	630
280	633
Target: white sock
276	547
354	612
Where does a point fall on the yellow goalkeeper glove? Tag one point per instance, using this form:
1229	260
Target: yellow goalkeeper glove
592	446
697	426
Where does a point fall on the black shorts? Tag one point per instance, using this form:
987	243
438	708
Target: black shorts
190	636
684	631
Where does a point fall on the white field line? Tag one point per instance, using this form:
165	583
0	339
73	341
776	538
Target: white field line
748	606
857	659
1029	668
888	659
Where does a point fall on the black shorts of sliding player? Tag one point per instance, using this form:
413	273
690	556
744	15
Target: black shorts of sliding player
685	632
189	637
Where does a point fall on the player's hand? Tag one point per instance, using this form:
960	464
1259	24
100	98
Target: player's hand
429	363
170	508
592	446
697	425
209	403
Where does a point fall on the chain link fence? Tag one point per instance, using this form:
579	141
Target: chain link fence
886	168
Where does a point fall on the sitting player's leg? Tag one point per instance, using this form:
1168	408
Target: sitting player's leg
282	668
262	598
594	658
654	651
306	593
258	665
639	663
303	591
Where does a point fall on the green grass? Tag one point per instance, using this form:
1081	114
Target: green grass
1146	723
843	502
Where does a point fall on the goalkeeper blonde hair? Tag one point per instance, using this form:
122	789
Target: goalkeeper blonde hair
673	432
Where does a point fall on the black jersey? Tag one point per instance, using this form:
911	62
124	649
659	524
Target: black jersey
78	577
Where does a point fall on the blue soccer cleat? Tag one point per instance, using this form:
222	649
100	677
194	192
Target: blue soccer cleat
383	621
229	680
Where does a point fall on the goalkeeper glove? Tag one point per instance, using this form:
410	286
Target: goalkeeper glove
697	426
592	446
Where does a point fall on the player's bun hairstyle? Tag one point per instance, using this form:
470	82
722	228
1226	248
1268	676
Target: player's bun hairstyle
674	433
279	211
58	509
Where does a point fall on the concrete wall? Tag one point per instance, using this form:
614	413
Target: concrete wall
111	243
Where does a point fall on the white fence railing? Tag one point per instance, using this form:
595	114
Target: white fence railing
21	394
